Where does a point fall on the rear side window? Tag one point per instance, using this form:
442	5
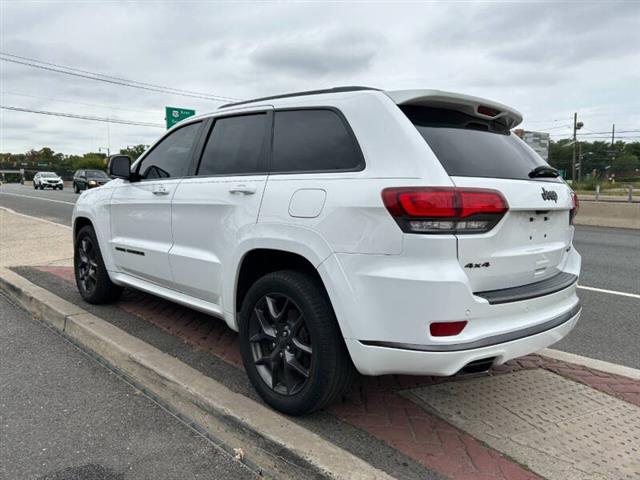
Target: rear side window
470	147
170	158
313	140
235	146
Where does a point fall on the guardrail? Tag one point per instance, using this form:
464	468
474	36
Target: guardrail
629	189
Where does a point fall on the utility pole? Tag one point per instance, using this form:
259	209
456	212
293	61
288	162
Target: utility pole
613	141
573	163
576	126
613	134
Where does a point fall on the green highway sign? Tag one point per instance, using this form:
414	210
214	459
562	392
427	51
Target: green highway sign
174	115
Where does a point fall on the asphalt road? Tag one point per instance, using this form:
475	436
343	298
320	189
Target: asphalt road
609	327
53	205
63	416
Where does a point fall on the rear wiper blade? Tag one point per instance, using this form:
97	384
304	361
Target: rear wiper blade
544	171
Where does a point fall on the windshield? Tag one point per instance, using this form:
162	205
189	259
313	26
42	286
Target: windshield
96	174
48	175
470	147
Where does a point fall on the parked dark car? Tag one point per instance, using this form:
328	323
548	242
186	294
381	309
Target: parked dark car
85	179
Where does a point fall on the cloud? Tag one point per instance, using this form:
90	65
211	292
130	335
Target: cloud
547	59
319	53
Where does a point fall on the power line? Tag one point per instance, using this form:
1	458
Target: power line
82	117
552	128
110	76
99	105
52	67
609	132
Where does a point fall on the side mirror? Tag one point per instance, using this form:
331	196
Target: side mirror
120	167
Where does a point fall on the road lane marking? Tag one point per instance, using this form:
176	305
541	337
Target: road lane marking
37	198
612	292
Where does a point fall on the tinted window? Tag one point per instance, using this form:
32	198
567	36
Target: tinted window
469	147
170	158
313	140
235	146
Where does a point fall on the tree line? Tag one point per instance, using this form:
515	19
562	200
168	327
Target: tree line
47	159
598	158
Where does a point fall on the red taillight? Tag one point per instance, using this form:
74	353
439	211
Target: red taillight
446	329
444	210
576	207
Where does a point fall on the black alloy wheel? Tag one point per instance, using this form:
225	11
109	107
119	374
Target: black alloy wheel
92	277
87	267
291	345
280	344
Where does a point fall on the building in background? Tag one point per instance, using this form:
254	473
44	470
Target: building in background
539	141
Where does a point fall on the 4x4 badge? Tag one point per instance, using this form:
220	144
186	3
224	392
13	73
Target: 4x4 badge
549	195
477	265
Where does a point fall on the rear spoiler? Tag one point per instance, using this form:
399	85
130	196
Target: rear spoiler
474	106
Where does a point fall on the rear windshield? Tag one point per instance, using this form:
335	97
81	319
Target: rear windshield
470	147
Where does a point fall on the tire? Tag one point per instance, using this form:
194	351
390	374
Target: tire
92	279
314	346
35	187
75	187
61	187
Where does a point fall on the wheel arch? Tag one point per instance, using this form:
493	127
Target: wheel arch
259	261
79	223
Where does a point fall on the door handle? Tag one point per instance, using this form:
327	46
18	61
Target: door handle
243	189
160	191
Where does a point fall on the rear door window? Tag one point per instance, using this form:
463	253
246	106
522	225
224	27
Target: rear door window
313	141
235	146
470	147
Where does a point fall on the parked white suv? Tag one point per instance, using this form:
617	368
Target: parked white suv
42	180
404	232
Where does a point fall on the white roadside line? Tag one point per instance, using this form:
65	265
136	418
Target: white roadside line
611	292
593	363
31	217
37	198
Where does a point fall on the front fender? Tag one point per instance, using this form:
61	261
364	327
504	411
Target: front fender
95	206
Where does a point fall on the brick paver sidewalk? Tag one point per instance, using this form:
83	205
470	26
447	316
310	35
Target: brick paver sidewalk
430	419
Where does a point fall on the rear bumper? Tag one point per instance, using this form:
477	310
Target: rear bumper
488	341
385	304
382	360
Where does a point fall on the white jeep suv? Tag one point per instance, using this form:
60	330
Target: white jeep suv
404	232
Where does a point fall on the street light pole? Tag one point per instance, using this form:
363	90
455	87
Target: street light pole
580	160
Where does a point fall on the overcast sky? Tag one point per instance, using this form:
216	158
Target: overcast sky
547	59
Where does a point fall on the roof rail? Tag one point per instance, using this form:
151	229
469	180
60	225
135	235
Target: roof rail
301	94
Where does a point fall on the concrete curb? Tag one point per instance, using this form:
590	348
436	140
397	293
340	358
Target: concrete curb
593	363
282	448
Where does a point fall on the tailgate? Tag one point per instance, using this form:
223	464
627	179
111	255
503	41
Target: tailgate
530	242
